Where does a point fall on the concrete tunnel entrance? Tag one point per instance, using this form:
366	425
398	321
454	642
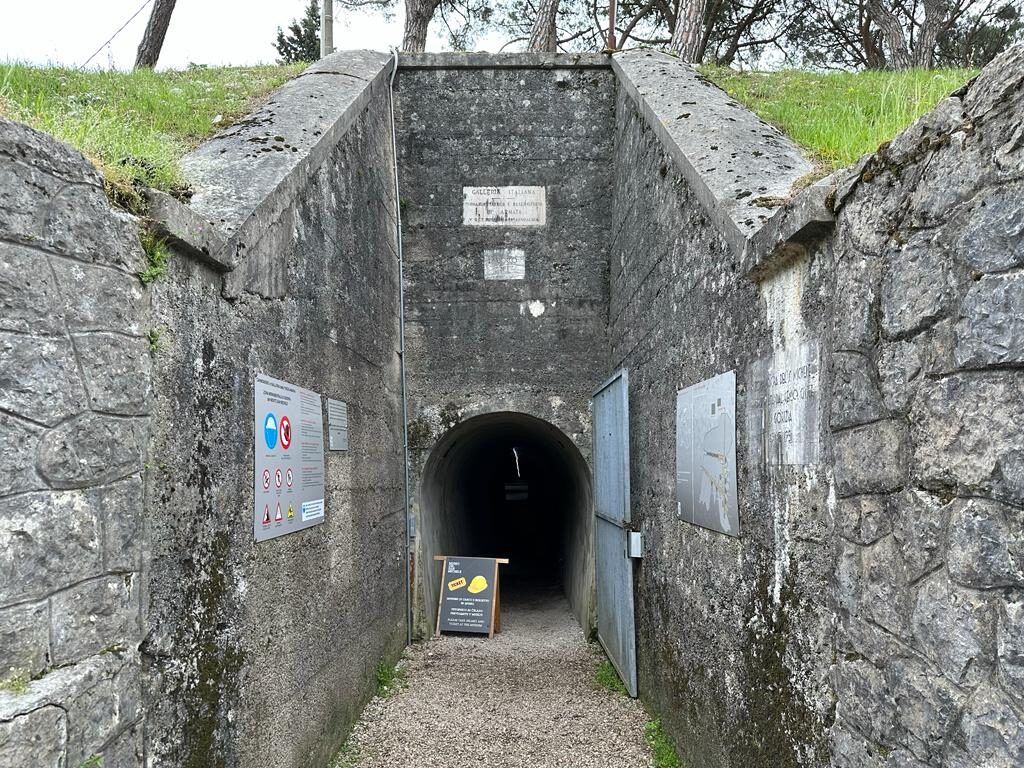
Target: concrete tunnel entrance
510	485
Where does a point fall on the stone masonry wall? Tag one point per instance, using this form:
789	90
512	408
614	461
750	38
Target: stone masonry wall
75	405
263	654
927	346
477	345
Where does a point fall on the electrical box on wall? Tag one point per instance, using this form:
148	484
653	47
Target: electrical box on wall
636	545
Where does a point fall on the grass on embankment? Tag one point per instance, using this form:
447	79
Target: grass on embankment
135	126
839	116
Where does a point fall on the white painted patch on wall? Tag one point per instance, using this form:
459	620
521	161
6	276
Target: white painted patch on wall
536	308
504	264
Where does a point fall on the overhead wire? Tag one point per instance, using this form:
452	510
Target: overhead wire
118	32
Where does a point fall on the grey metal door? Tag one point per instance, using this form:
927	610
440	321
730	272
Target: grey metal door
615	628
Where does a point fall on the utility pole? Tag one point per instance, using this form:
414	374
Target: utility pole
326	28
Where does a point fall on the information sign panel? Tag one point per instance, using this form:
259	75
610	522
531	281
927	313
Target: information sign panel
289	458
706	454
337	425
469	595
504	206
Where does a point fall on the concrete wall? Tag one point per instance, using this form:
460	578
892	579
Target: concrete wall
75	404
476	345
733	634
263	654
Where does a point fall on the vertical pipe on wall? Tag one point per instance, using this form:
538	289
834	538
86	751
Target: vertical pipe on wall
401	358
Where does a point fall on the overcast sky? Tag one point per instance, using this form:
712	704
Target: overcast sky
202	31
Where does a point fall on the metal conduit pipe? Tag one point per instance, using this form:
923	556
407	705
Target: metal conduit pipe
401	358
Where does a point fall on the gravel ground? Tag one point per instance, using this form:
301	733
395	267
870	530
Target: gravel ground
523	699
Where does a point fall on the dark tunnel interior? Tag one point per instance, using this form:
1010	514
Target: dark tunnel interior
511	485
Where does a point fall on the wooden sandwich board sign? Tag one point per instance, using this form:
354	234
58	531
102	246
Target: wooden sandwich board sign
470	597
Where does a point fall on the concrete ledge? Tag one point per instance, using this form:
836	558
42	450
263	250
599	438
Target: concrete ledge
727	154
799	221
503	61
245	176
186	230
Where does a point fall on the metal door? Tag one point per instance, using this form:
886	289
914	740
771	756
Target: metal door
615	628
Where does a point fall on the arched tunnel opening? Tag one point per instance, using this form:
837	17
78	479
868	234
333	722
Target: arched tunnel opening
510	485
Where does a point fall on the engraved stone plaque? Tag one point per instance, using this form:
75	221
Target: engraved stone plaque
784	404
504	264
504	206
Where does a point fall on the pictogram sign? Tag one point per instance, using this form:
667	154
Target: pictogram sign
286	432
270	431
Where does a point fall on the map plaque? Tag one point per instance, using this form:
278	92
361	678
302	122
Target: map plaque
706	454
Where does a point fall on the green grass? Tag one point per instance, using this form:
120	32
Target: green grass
839	116
135	126
157	256
16	683
389	679
661	747
607	678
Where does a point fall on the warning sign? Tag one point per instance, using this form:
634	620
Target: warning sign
289	458
286	433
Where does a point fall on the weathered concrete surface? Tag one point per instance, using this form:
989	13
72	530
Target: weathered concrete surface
731	160
75	401
243	176
263	654
733	635
475	345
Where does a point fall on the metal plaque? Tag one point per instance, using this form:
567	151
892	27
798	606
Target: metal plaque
504	207
337	425
504	264
289	458
783	411
706	454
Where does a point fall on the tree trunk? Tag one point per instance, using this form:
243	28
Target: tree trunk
418	14
543	36
156	30
892	34
928	38
688	36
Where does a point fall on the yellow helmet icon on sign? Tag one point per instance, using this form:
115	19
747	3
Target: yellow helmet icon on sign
478	584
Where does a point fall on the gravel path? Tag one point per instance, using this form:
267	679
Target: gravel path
525	699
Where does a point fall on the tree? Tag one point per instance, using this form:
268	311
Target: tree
544	34
156	31
898	34
302	43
